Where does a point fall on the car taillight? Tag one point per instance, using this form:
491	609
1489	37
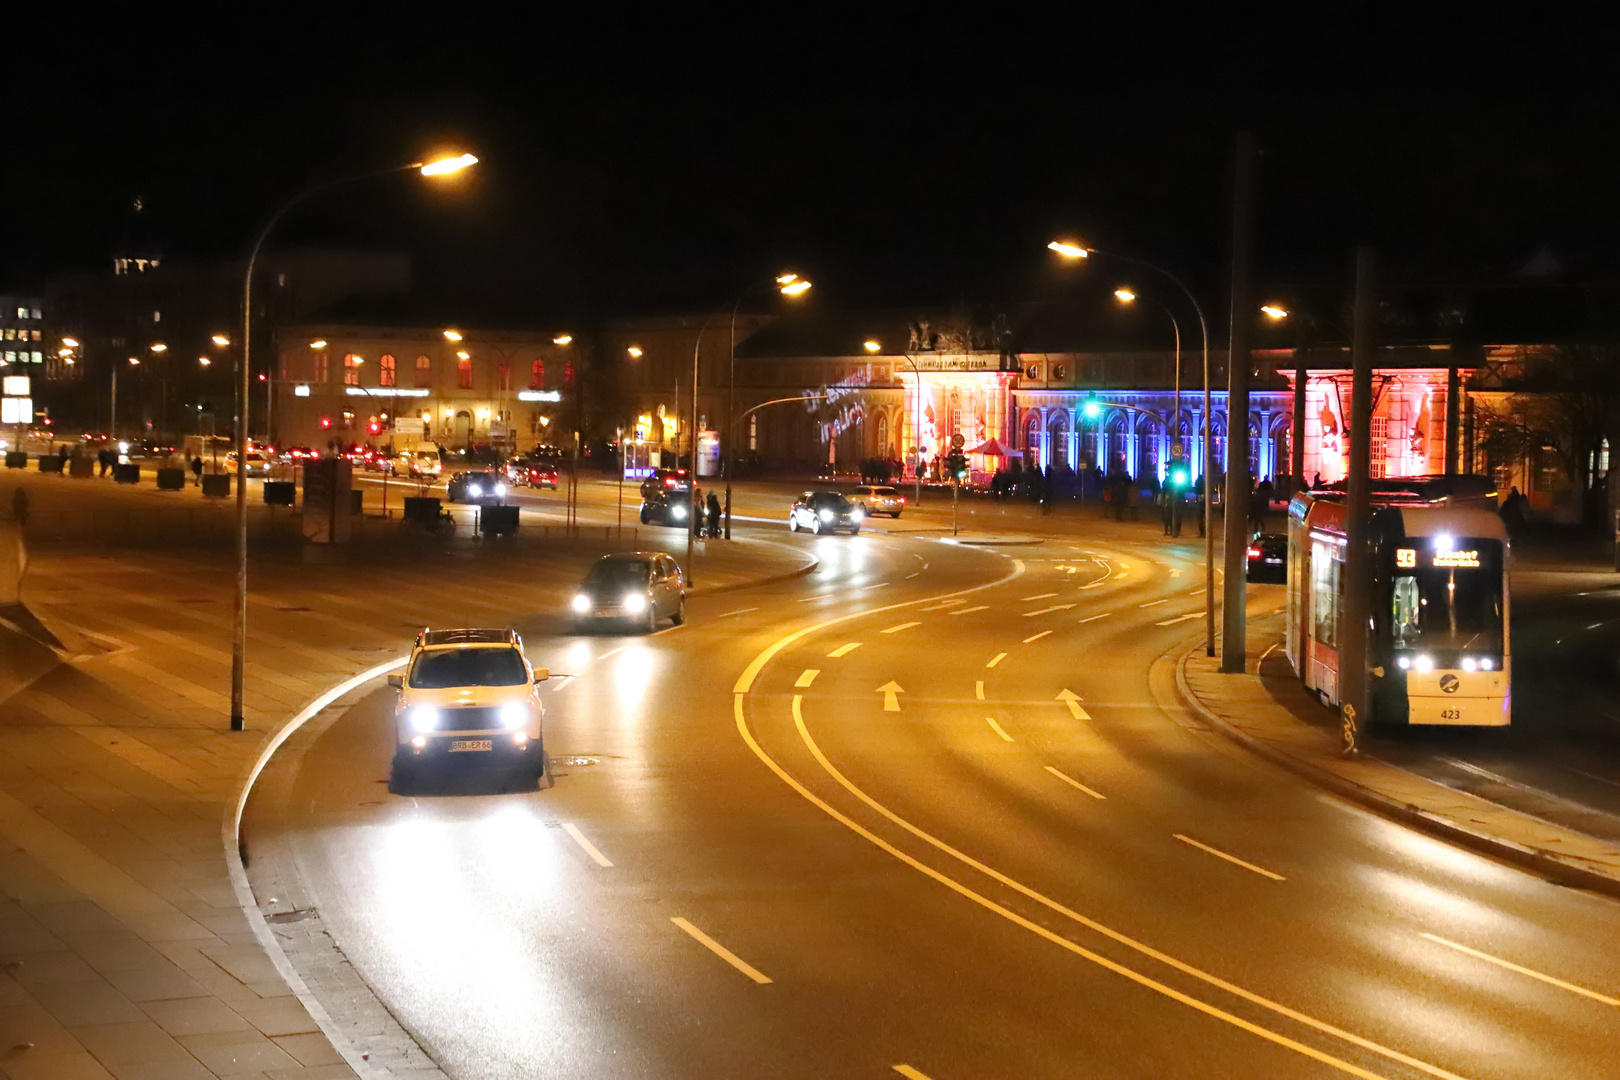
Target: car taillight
1254	553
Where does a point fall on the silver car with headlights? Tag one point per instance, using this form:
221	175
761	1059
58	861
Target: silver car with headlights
635	588
468	695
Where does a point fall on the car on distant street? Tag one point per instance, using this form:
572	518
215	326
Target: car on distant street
666	497
482	488
1268	558
421	462
529	472
301	455
825	512
468	695
878	499
257	464
638	588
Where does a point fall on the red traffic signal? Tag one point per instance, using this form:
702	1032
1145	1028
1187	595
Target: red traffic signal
326	422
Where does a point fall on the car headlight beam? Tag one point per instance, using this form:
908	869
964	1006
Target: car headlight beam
514	714
581	603
474	489
424	717
635	602
825	515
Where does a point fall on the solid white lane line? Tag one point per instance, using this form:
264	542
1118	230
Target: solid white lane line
1076	783
561	683
1036	637
1509	965
909	1073
1154	603
808	677
1180	618
1039	596
1094	618
739	611
1233	859
667	630
590	848
721	951
978	689
879	585
996	659
818	596
997	728
610	652
845	650
1095	585
1045	610
964	611
899	627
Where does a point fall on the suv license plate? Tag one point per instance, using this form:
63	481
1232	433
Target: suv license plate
469	744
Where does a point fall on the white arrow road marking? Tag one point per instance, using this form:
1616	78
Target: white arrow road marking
1175	573
808	677
1180	618
845	650
1044	610
1072	700
891	703
1071	780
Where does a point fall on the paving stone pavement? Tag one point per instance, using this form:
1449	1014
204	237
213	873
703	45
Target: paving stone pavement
124	952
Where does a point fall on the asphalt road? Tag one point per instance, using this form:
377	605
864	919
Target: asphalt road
750	865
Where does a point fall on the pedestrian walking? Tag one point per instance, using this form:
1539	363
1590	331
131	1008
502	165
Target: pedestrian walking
196	471
714	515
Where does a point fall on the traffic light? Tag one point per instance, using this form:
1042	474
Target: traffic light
326	423
1092	408
958	466
1179	474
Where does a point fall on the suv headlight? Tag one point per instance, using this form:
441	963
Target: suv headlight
582	603
678	510
635	602
514	714
474	489
500	489
424	717
825	515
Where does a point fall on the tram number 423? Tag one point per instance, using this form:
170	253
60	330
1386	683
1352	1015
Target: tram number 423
1451	714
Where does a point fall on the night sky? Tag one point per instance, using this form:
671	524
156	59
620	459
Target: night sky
636	166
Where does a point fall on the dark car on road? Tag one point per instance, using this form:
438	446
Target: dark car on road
1268	558
825	512
666	496
483	488
638	588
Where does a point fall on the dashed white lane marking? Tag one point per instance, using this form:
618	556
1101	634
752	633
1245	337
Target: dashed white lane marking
895	629
1154	603
996	659
589	848
668	630
721	951
1036	637
562	683
879	585
912	575
997	728
818	596
978	689
739	611
808	677
1180	618
1040	596
1094	618
620	649
942	607
845	650
966	610
1045	610
1095	585
1233	859
1071	780
1509	965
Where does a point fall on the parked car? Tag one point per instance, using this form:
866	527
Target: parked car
878	499
824	512
636	587
468	695
1268	558
482	488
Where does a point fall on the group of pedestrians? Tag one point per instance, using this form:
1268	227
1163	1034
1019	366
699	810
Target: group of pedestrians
707	521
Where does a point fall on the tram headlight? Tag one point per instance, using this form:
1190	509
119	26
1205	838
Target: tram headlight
1403	662
1424	663
1470	664
1487	664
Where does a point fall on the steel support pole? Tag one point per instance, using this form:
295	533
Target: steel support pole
1234	639
1296	434
1356	612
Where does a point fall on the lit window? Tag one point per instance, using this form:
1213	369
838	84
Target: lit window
35	315
11	333
464	378
753	433
39	358
36	332
424	372
537	374
157	316
320	368
351	369
22	313
385	370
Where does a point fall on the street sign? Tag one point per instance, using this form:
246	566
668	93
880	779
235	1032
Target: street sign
957	442
1178	448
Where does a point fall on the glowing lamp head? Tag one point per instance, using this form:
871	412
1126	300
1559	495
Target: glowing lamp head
158	347
563	339
1125	296
1069	249
221	340
872	346
318	343
634	352
447	166
797	287
1274	312
452	335
71	343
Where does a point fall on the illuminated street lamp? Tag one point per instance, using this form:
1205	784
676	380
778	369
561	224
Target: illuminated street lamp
204	361
158	347
563	339
1074	251
452	335
1127	297
221	340
444	166
871	346
318	344
1274	312
71	343
634	352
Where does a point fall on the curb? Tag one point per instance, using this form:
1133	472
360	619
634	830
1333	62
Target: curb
1531	860
231	832
754	583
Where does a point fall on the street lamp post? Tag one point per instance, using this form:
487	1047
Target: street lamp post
1073	251
1127	297
787	285
440	167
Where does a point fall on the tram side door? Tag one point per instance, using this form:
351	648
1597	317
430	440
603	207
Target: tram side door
1326	605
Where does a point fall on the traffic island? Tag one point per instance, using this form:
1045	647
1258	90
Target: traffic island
1268	711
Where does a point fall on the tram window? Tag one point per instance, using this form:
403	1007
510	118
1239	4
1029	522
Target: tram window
1449	608
1408	607
1325	571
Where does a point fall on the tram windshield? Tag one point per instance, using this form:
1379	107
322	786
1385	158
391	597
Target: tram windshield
1456	605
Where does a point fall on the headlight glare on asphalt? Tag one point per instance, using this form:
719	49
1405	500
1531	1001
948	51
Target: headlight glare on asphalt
424	718
513	715
582	603
635	602
825	515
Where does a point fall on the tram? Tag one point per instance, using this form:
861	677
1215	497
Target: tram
1438	649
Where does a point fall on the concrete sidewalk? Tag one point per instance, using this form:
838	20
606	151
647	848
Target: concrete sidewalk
124	950
1269	711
